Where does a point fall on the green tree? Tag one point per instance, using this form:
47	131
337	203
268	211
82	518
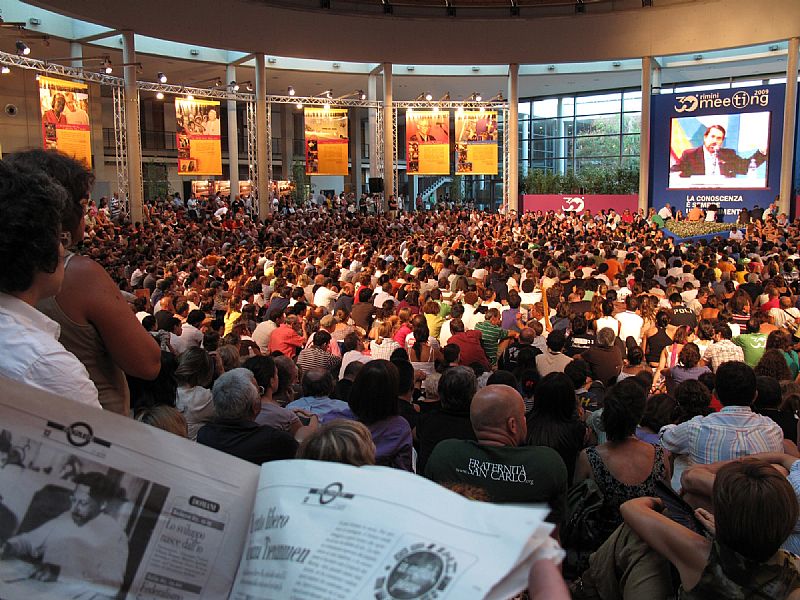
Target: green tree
302	182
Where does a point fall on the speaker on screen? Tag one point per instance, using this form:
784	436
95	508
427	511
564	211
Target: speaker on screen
375	185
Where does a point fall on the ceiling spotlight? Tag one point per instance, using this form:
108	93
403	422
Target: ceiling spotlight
291	91
476	69
189	97
234	86
362	95
580	7
161	77
551	67
616	63
5	70
774	48
299	105
337	66
249	87
107	66
160	96
329	93
22	48
698	57
218	82
428	96
476	97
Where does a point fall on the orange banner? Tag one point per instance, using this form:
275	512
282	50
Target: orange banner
427	142
327	141
476	142
65	117
198	135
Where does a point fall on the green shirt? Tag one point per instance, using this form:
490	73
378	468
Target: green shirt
491	335
754	345
522	475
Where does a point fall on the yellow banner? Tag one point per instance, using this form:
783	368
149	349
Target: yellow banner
427	142
65	117
476	142
326	140
198	135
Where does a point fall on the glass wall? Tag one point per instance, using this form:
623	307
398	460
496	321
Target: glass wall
573	133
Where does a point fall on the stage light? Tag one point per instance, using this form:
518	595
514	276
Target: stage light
107	69
326	106
161	77
234	86
22	48
362	95
291	91
249	87
5	70
476	97
189	97
409	111
428	96
299	105
160	96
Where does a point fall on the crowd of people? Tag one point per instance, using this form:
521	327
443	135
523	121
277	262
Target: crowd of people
581	360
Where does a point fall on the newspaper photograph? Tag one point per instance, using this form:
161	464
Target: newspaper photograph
94	505
325	530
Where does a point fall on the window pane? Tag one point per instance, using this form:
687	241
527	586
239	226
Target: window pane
524	109
545	108
598	164
632	122
591	105
632	101
544	128
597	146
630	145
567	106
595	125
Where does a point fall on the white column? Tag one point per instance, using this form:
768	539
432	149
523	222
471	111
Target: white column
233	136
264	177
388	134
789	120
513	138
372	125
644	132
135	199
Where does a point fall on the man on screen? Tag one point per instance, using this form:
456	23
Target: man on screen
712	159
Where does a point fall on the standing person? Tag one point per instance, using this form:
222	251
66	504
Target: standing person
99	328
33	269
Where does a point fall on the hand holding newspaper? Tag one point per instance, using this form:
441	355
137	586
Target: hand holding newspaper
325	530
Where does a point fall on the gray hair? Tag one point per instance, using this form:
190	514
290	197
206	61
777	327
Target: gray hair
457	386
605	337
235	394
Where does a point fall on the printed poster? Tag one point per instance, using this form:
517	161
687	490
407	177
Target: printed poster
326	141
476	142
65	117
198	135
427	142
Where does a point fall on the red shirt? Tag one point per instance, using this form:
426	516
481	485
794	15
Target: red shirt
286	341
471	350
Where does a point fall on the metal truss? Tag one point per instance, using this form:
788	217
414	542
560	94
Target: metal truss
121	146
506	166
395	182
379	142
448	104
269	151
252	149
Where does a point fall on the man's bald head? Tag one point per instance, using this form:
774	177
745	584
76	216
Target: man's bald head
497	413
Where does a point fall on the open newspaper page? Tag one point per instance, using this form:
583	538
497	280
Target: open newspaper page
324	530
94	505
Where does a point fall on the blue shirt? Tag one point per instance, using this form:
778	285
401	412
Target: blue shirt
321	406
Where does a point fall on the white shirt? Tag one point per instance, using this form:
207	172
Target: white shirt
190	337
325	297
262	333
630	324
31	353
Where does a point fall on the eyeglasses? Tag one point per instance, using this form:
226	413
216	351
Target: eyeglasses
261	390
65	238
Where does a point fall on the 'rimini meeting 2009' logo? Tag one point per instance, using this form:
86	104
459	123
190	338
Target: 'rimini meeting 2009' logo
740	100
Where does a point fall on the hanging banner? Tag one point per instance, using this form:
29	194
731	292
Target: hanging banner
427	142
326	140
65	117
199	144
476	142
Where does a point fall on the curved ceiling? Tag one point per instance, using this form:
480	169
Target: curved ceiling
359	30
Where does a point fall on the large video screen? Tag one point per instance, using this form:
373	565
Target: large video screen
721	151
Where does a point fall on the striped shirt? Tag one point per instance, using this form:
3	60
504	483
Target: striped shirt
733	432
491	335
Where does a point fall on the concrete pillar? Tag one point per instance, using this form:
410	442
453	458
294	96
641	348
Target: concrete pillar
644	132
233	136
388	135
354	118
789	121
264	176
512	193
372	125
287	140
135	199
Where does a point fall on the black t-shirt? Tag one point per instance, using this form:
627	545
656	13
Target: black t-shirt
438	425
523	474
682	315
579	343
247	440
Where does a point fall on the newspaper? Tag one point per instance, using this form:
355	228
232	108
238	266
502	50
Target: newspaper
95	505
324	530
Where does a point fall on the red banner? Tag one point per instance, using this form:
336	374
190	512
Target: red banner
579	202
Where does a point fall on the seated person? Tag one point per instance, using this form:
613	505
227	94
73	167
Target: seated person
234	430
342	441
318	385
755	510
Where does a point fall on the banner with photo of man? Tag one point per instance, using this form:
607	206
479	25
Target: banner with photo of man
65	117
327	141
427	142
476	142
198	135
